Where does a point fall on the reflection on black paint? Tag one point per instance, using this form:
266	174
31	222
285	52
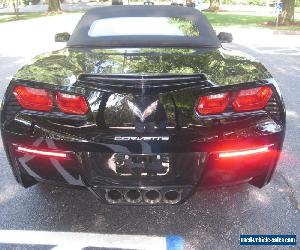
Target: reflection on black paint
221	66
109	102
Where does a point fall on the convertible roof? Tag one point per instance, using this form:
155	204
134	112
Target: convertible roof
80	36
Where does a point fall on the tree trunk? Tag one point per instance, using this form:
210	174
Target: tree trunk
54	6
214	5
16	8
287	16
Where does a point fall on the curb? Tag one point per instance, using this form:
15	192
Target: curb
286	32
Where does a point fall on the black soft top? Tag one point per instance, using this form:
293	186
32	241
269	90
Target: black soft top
80	37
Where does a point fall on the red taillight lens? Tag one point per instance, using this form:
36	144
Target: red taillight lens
33	99
71	104
252	99
213	104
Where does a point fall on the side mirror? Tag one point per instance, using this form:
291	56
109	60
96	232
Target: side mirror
225	37
62	37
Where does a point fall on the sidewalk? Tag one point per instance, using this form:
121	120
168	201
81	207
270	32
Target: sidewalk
261	37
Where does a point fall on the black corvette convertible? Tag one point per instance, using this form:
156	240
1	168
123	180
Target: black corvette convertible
143	106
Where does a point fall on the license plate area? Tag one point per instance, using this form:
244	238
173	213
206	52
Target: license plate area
142	164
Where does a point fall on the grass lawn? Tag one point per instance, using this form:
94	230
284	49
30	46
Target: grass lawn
4	17
233	19
241	20
23	16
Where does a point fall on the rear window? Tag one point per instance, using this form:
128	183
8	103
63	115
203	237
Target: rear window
143	26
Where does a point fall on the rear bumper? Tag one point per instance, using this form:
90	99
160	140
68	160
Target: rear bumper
192	156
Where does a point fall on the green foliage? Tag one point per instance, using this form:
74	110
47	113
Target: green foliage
33	2
188	28
245	2
297	3
4	2
227	1
256	2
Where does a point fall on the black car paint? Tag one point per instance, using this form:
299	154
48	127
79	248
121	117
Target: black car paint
136	75
221	66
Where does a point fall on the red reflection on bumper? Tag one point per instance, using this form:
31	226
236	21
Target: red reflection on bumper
42	152
241	153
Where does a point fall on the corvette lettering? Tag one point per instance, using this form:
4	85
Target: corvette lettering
142	138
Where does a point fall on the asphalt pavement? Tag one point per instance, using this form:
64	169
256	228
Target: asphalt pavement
212	219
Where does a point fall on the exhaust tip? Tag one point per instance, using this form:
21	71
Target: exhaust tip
133	196
152	196
172	197
113	196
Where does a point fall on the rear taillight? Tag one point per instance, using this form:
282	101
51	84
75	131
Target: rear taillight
213	104
41	100
71	104
252	99
33	99
243	100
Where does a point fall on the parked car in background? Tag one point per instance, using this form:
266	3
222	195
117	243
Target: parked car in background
188	3
177	2
149	2
116	2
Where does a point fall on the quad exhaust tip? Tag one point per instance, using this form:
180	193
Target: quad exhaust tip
113	196
172	197
133	196
149	196
152	196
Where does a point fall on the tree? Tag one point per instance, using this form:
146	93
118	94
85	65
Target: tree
16	5
214	5
287	16
54	6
